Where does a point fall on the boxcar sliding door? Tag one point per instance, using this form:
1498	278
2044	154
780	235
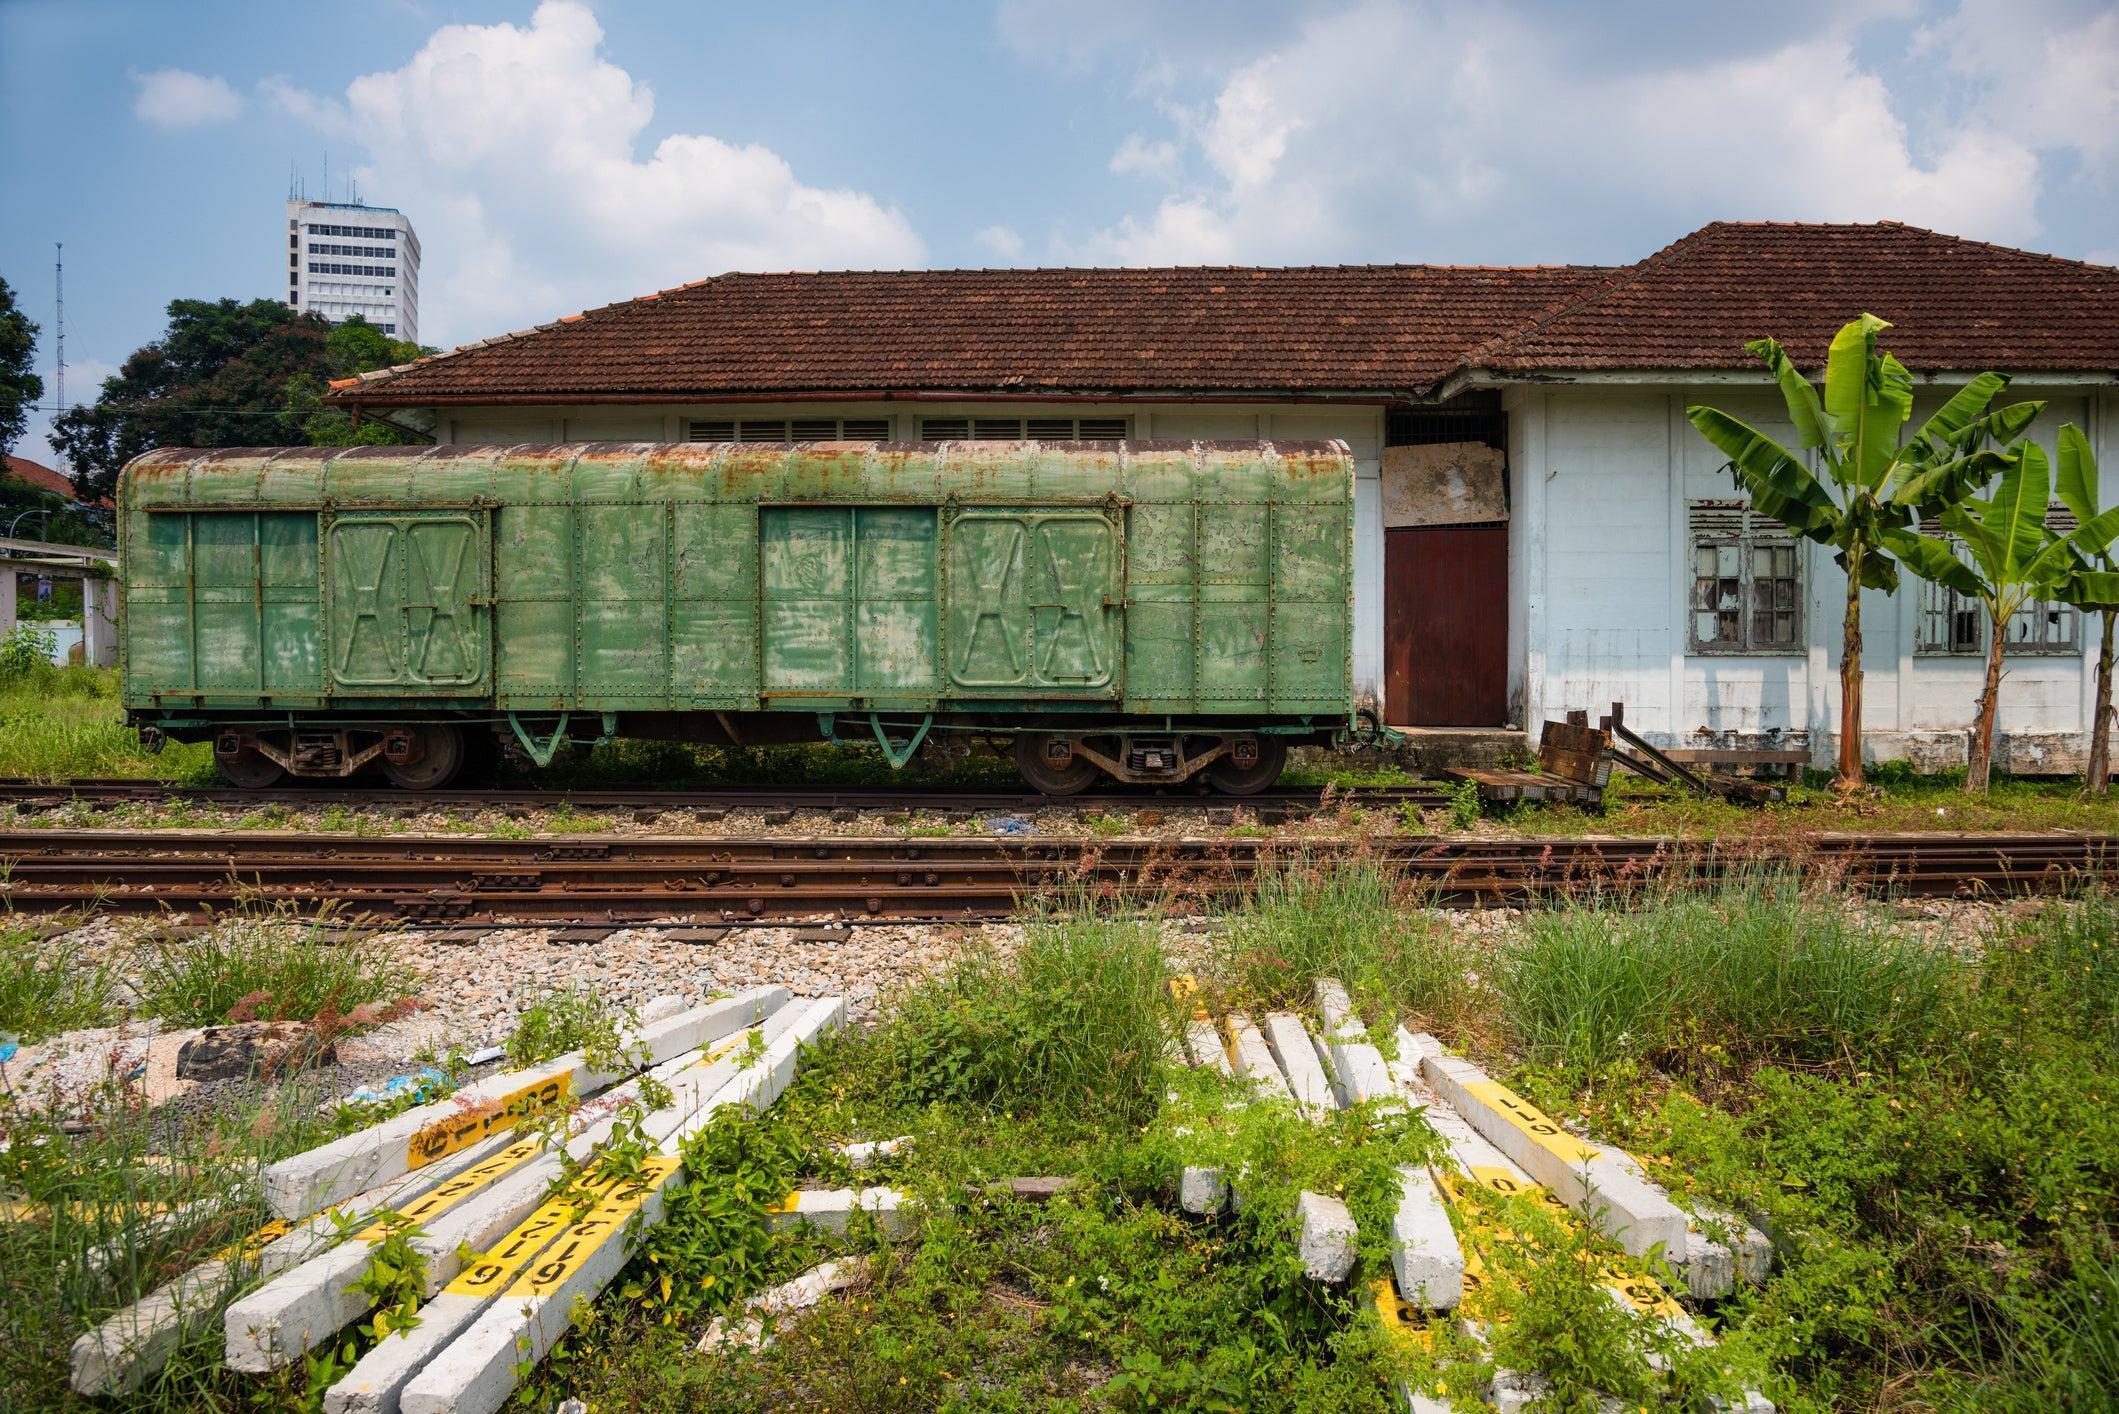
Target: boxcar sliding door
408	602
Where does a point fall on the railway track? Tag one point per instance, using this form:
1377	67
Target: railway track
668	878
110	792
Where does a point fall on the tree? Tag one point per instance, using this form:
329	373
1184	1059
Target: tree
1882	485
2092	588
223	374
19	385
2015	557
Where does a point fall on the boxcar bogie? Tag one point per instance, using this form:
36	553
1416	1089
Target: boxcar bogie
1147	612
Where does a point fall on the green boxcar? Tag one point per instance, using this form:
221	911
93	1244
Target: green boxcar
1142	610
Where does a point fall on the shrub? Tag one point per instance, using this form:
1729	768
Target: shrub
562	1020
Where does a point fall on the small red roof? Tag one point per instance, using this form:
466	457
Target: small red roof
39	475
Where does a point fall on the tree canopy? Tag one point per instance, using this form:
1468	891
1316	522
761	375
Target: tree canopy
19	384
227	374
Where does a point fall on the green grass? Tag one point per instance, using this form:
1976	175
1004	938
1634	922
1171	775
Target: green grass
1350	920
1076	1019
67	722
42	993
1755	970
264	969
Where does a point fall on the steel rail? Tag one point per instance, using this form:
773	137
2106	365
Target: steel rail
655	801
648	877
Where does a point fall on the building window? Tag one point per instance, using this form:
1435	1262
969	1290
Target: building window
1016	429
1747	585
1952	625
782	431
380	272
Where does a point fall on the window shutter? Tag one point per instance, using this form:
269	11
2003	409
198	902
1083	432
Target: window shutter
944	429
814	429
1050	429
1102	429
763	431
865	429
697	431
997	429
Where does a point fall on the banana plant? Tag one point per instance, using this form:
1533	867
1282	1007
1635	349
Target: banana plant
2093	588
1874	485
2014	558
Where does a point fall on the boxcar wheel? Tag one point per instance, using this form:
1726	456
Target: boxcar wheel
441	757
1232	779
1071	779
252	770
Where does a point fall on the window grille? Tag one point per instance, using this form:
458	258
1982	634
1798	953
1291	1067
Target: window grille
784	431
1012	429
1747	591
1951	624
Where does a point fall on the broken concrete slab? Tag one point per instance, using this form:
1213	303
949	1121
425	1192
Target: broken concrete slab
1325	1236
1254	1059
868	1153
1201	1190
1614	1197
1357	1065
1204	1045
1425	1257
1296	1055
832	1210
805	1291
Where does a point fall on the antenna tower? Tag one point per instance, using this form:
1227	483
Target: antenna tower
59	319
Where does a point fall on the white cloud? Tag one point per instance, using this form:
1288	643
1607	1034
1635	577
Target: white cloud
179	98
1005	242
2046	72
1138	157
1405	129
513	151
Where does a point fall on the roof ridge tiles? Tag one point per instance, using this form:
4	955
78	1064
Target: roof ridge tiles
1619	278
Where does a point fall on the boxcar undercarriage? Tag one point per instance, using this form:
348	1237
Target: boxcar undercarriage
1056	758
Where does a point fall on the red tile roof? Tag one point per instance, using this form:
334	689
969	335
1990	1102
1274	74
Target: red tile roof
1197	329
39	475
1334	329
1955	304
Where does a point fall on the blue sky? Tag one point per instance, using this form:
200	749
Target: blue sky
563	155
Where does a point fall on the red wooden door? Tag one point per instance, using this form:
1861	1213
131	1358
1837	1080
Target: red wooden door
1445	626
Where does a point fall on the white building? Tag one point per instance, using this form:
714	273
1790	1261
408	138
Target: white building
1565	541
344	259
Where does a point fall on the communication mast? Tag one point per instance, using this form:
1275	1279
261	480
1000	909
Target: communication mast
59	319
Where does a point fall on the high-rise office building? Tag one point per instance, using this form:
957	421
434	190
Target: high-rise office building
344	259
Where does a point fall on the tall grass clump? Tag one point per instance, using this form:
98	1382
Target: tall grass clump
264	970
42	994
1753	971
1074	1022
58	722
1352	920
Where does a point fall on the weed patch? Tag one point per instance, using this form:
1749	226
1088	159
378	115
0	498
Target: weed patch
42	994
265	970
1076	1019
1750	972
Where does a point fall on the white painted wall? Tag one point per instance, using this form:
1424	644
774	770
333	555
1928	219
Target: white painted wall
1601	573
